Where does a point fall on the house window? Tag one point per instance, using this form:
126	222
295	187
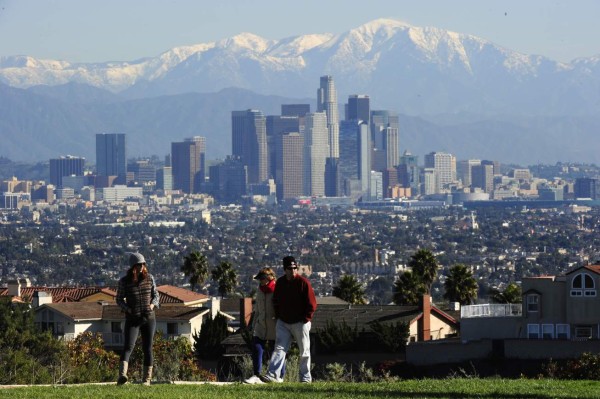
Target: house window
583	332
115	327
533	331
172	329
533	303
562	331
548	331
583	285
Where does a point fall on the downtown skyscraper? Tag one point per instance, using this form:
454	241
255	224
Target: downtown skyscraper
249	143
316	152
327	102
188	162
111	159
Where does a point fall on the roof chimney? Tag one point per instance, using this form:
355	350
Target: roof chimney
41	298
14	287
424	325
245	311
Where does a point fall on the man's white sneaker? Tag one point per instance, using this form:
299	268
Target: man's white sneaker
253	380
269	378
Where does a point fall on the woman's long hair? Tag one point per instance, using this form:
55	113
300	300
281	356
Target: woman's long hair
136	276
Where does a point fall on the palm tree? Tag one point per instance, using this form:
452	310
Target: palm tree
350	290
195	267
424	266
226	277
460	285
408	289
511	294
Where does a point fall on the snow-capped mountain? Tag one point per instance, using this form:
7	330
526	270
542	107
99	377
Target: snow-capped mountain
415	70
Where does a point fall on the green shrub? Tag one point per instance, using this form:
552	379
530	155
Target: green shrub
336	337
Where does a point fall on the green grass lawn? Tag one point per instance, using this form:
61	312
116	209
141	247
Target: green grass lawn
427	388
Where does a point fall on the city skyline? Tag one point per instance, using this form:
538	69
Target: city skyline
76	31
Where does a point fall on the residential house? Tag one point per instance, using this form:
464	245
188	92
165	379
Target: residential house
559	318
69	319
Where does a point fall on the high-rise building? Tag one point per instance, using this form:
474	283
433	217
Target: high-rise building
289	177
143	171
482	176
295	109
392	147
444	165
359	108
111	158
164	178
409	173
332	177
249	142
65	166
464	171
586	187
188	161
229	179
327	102
385	139
380	120
316	151
276	127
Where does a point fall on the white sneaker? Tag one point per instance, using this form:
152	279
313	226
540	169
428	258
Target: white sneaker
269	378
253	380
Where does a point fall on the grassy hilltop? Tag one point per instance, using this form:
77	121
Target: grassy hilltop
426	388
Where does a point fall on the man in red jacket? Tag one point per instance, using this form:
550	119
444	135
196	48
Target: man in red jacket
294	302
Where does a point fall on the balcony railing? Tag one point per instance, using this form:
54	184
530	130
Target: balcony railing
491	310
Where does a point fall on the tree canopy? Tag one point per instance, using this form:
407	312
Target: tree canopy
460	285
350	290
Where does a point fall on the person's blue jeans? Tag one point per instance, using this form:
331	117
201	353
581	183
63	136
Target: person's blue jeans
146	325
284	333
260	348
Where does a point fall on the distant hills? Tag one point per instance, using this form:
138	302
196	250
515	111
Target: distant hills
454	92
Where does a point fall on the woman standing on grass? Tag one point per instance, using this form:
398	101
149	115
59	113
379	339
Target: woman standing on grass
138	297
263	331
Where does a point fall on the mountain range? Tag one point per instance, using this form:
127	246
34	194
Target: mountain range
454	92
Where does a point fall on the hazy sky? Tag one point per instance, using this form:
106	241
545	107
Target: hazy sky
125	30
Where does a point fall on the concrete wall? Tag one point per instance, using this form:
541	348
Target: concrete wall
478	328
454	351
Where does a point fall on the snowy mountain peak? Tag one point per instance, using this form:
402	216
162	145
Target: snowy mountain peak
246	41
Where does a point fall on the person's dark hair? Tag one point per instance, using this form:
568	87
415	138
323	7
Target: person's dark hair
134	275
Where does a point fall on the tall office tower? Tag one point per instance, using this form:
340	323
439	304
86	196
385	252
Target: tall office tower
316	151
385	139
143	171
276	127
409	173
495	166
464	171
355	156
376	189
359	108
164	178
349	133
249	142
430	184
390	180
229	179
188	160
444	165
333	186
289	177
327	102
295	109
364	157
482	176
111	159
380	120
65	166
392	147
586	187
